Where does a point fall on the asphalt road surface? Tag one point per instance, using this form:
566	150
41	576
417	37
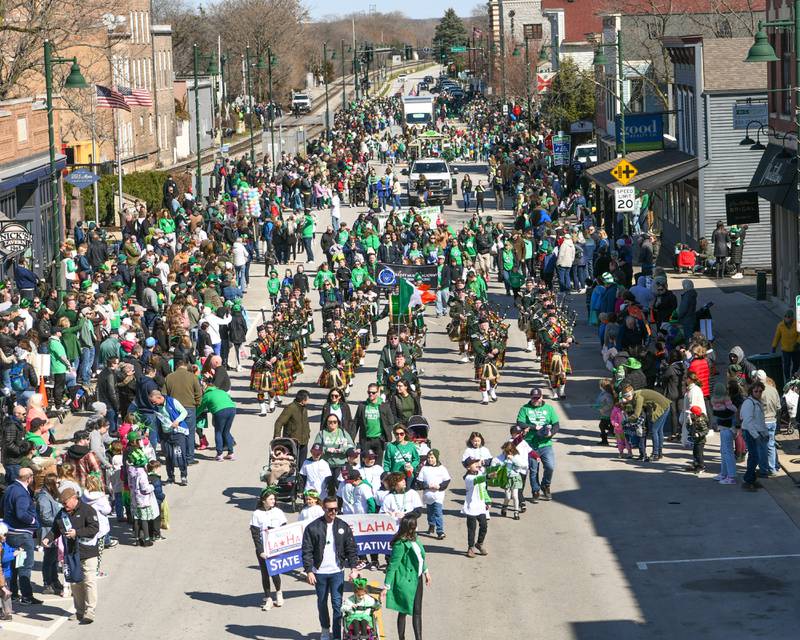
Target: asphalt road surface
625	549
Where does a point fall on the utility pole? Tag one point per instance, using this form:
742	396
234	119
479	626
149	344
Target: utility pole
199	169
344	84
502	52
250	101
272	106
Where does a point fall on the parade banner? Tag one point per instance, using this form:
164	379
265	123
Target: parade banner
390	274
373	533
430	215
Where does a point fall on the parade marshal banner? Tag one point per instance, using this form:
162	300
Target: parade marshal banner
389	274
373	533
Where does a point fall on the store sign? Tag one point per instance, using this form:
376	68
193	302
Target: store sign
742	208
643	131
752	113
82	178
14	239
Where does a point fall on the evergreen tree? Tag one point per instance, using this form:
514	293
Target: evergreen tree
571	96
450	31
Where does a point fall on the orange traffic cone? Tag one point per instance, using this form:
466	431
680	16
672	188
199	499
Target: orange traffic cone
43	391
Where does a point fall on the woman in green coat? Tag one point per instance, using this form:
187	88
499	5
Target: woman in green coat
404	577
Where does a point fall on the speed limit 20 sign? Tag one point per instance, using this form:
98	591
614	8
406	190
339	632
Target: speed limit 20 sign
624	198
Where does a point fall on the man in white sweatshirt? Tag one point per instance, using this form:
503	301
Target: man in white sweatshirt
214	323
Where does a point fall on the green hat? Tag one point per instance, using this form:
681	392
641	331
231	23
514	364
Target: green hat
133	436
24	303
86	284
137	458
359	583
229	303
152	281
212	277
633	363
192	260
237	306
273	272
607	278
269	491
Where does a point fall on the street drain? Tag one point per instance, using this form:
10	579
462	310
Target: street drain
673	502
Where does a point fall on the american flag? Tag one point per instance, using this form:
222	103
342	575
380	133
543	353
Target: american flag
110	99
136	97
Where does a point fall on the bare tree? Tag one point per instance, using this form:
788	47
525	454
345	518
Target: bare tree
26	24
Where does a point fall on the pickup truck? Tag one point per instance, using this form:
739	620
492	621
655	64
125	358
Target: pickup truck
438	177
301	102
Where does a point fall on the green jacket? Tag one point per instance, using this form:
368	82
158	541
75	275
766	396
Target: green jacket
308	227
69	338
537	417
58	356
215	400
273	286
402	576
395	457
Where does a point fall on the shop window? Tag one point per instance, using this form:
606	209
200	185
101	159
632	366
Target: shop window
22	130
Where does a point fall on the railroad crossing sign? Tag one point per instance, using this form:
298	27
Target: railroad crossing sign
624	199
624	172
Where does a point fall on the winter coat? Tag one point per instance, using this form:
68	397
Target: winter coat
402	575
686	311
142	492
99	502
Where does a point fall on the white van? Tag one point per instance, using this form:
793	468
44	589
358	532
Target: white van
585	154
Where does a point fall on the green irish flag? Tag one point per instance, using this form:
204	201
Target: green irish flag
400	302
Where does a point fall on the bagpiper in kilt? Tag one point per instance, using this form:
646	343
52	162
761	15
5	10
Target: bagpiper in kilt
555	361
487	346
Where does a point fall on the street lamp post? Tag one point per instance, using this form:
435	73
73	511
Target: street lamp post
75	80
250	101
211	71
762	51
270	62
600	60
344	86
325	80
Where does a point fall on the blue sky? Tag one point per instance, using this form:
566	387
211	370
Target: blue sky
412	8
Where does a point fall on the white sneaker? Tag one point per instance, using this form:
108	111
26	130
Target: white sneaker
279	599
271	405
464	359
484	398
267	604
554	394
262	409
737	276
529	348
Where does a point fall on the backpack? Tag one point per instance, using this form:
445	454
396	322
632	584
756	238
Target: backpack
19	381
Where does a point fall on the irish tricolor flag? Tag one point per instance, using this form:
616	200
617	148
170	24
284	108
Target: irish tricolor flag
409	296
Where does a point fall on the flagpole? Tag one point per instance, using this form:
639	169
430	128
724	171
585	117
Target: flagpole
118	151
95	189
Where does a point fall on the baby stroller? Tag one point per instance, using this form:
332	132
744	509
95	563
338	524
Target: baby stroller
418	430
288	480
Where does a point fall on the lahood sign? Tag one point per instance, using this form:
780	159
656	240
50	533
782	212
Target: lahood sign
643	131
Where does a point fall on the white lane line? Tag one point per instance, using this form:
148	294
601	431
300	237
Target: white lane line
643	565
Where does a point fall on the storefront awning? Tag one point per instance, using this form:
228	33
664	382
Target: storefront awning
775	178
656	169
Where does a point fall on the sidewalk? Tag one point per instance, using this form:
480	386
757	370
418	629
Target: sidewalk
741	320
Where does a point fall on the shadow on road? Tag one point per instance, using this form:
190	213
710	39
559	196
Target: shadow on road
263	631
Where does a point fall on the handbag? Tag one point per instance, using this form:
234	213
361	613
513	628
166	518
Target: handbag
73	571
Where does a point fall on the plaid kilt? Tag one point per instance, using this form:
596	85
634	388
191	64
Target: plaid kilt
347	372
260	380
548	358
282	378
330	379
296	363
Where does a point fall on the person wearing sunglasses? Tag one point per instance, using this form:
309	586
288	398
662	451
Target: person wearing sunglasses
372	425
328	548
401	456
337	405
335	442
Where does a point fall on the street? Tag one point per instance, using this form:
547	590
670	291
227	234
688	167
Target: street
625	550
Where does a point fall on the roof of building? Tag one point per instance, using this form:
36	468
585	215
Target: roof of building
580	17
724	67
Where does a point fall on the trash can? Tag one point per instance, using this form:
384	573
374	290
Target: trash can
771	364
761	285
